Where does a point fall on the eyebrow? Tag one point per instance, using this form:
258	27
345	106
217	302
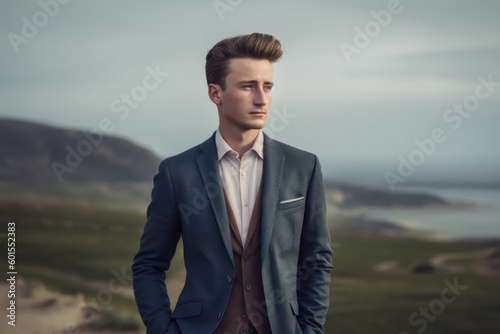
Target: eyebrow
255	82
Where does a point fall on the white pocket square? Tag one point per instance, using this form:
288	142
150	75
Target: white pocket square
291	200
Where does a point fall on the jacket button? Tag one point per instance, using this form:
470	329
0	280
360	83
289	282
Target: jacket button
229	279
248	287
246	257
219	316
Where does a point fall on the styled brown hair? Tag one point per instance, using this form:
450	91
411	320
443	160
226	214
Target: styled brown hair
256	45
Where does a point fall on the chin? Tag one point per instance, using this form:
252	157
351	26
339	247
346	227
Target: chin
258	126
253	126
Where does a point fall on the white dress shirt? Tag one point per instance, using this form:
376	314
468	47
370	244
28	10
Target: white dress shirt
241	178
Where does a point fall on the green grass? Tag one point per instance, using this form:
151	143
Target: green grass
56	243
81	241
363	300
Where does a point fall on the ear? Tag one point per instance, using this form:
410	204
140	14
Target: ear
214	92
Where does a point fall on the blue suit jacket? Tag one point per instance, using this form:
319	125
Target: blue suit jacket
188	201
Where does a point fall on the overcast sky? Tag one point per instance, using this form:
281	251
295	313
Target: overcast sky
354	90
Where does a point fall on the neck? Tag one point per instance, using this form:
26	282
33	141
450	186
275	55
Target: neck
240	141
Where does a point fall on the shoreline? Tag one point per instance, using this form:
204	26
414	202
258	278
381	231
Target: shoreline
359	219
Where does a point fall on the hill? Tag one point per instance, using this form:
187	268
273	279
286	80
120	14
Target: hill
50	163
36	154
349	196
45	164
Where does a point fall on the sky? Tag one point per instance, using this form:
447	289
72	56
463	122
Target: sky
365	85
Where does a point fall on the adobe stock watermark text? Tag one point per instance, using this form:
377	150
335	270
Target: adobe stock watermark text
32	25
453	118
120	106
372	29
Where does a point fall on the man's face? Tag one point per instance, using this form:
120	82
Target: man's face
245	102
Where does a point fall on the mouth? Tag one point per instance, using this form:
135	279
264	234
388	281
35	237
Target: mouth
258	113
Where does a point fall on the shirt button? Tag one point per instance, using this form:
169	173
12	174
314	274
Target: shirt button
243	173
229	279
245	204
248	287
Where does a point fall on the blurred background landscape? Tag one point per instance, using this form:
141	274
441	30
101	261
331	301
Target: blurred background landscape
401	105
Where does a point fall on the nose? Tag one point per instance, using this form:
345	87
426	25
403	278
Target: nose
260	97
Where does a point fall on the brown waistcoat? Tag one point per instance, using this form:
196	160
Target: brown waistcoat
245	311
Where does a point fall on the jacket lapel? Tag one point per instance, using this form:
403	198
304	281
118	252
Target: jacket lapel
274	161
209	170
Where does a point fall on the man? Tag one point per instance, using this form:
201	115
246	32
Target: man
251	213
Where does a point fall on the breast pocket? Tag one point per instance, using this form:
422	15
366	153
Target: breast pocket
291	203
288	223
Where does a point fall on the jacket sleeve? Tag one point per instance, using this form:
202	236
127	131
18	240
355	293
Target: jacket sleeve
315	259
157	248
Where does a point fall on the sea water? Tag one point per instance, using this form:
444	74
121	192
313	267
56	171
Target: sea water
479	220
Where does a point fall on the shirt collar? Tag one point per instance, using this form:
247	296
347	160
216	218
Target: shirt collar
223	148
